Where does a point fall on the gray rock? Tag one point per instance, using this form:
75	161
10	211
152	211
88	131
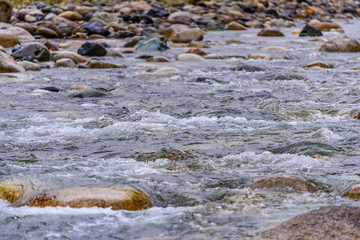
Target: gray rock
35	50
330	222
152	43
90	93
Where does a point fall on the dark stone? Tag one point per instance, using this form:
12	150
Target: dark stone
272	12
35	50
96	28
92	49
128	52
248	68
157	13
152	43
351	11
123	34
51	89
91	93
330	222
309	149
310	31
144	57
88	17
282	76
127	18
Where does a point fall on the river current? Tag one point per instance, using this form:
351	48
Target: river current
242	124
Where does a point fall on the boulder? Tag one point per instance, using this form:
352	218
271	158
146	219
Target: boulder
7	40
72	16
35	50
30	66
8	65
284	184
92	49
102	64
270	32
65	63
330	222
189	57
341	44
96	28
235	26
18	32
310	31
15	190
152	43
46	32
188	35
5	11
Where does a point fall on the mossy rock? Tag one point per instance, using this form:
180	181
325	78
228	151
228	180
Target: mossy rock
117	198
17	190
168	153
285	184
5	11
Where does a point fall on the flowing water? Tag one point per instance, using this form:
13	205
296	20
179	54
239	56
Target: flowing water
241	126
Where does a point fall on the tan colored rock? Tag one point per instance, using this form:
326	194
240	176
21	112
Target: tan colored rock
284	184
27	26
270	32
7	40
341	44
197	51
30	19
235	42
157	59
319	64
214	56
83	10
65	63
79	88
327	27
16	190
19	33
8	65
114	53
57	20
181	17
235	26
189	57
168	33
117	198
296	31
78	57
312	10
188	35
102	64
5	11
353	192
72	16
30	66
198	44
140	6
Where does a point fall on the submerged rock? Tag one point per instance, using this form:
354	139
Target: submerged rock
102	64
341	44
308	148
152	43
92	49
319	64
117	198
330	222
189	57
248	68
168	153
270	32
18	190
284	184
90	93
310	31
35	50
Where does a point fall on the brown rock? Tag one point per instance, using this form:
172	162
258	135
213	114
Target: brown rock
15	190
133	41
20	33
102	64
353	192
8	65
30	19
157	59
7	40
270	32
72	16
197	51
27	26
118	198
46	33
319	64
57	20
5	11
188	35
180	17
83	10
341	44
235	26
214	56
96	36
327	27
235	42
198	44
114	53
284	184
51	46
51	26
168	33
65	63
79	88
140	6
330	223
78	57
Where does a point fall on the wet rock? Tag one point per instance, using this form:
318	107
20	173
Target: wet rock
72	16
50	89
79	88
341	44
308	148
66	54
197	51
284	184
157	13
7	40
92	49
46	33
30	66
353	192
15	190
270	32
5	11
65	63
91	93
19	33
105	16
35	50
327	27
96	28
189	57
188	35
157	59
8	65
117	198
214	56
235	26
213	26
152	43
102	64
168	153
133	41
248	68
282	76
319	64
310	31
330	222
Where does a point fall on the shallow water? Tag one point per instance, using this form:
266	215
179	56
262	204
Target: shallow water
241	126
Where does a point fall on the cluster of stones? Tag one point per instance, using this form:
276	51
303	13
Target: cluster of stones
148	26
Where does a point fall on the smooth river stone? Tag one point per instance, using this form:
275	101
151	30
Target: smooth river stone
284	184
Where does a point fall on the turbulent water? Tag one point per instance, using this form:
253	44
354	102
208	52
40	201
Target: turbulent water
241	126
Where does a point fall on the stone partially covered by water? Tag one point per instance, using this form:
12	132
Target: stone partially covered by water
341	44
284	184
353	192
168	153
331	222
92	49
117	198
152	43
310	31
309	149
18	190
